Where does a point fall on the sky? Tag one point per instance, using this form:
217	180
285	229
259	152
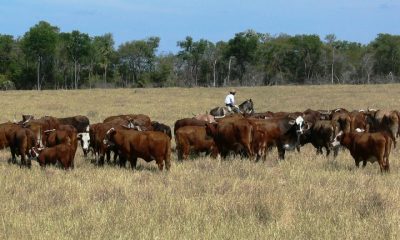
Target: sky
214	20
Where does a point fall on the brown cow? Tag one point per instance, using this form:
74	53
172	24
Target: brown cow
101	151
194	138
38	126
282	132
64	134
4	129
148	145
383	120
20	141
263	115
141	120
188	122
365	147
320	135
358	120
232	135
160	127
81	124
205	117
341	120
61	153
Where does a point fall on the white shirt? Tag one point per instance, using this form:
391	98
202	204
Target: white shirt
230	99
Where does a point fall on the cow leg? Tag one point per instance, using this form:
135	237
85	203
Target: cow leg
357	162
160	164
214	152
122	161
13	159
101	160
108	156
133	161
28	161
364	163
281	152
319	150
224	153
335	152
328	150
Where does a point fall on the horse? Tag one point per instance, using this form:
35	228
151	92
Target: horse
245	107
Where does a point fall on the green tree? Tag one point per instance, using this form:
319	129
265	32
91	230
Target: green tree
77	46
137	57
244	47
192	54
387	54
104	51
6	47
39	45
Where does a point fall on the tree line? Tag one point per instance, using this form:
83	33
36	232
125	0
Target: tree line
45	58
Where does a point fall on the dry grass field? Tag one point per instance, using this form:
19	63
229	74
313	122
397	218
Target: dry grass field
303	197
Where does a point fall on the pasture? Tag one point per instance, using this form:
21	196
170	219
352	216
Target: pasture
303	197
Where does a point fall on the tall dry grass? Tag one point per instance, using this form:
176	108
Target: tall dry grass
303	197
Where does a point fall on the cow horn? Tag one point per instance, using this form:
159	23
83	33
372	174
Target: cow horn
109	130
51	130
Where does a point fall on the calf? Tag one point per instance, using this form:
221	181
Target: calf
194	138
60	153
365	147
64	134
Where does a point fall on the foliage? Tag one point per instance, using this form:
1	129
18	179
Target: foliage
47	58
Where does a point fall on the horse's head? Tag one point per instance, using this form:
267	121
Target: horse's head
247	106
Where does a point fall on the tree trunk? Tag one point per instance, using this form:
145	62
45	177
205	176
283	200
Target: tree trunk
333	52
215	64
229	70
105	74
38	73
75	78
368	77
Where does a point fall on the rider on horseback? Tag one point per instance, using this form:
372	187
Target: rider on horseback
230	101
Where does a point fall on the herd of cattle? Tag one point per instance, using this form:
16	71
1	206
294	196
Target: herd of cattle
368	135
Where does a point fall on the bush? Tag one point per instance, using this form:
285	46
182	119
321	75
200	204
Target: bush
5	83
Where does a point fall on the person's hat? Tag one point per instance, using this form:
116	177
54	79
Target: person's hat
232	91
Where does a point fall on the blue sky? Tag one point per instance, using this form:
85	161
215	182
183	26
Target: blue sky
173	20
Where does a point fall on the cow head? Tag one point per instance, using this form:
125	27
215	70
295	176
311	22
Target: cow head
211	129
300	124
107	138
34	152
84	138
336	141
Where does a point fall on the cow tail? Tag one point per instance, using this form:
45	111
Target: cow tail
168	155
388	147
